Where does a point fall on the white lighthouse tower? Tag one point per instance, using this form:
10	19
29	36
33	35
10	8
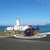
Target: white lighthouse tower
17	22
17	26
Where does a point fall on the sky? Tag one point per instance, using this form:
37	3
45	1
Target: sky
30	12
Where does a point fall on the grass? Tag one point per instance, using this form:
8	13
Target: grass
2	34
19	31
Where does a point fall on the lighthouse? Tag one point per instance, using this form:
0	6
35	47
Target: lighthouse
17	26
17	22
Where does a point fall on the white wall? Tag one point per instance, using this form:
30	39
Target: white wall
18	28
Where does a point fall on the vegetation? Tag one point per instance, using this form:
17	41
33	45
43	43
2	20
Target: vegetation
15	32
18	31
6	34
2	34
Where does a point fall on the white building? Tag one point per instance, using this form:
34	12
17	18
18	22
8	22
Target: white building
17	26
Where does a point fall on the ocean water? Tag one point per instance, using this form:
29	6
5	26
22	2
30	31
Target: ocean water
3	27
43	29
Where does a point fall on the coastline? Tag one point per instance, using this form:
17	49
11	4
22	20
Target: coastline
43	28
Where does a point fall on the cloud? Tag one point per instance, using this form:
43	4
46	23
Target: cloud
37	0
44	1
47	2
48	8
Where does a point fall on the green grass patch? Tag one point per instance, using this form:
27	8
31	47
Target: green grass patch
19	31
2	34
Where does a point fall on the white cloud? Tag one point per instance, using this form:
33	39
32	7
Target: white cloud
38	0
47	2
48	8
44	1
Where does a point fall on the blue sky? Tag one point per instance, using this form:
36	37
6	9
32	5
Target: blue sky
29	11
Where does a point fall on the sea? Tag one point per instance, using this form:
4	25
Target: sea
43	28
